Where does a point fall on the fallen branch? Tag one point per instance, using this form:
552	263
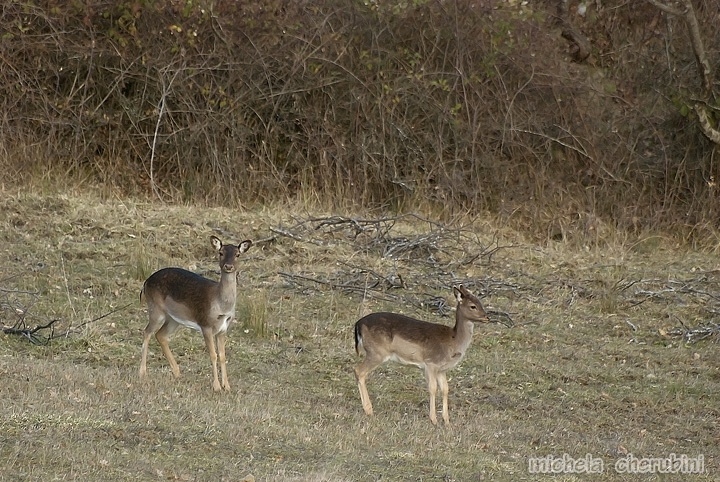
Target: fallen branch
36	338
75	329
31	333
694	335
294	236
359	226
391	281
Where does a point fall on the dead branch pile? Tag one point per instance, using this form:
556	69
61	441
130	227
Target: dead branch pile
434	258
431	259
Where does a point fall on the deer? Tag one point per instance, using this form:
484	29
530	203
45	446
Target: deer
433	347
178	297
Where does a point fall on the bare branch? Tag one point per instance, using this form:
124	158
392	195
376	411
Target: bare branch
296	237
666	8
161	112
688	14
703	64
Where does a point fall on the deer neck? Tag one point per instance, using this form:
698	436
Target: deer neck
228	289
463	329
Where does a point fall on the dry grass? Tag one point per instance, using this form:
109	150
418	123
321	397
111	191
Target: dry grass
572	376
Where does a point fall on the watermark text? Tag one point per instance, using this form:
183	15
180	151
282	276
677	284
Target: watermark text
630	464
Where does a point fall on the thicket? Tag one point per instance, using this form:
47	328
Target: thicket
452	105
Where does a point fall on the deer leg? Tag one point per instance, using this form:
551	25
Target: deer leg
163	337
210	344
146	341
432	387
157	319
220	339
143	357
443	384
361	373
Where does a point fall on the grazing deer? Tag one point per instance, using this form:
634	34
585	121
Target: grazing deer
434	348
179	297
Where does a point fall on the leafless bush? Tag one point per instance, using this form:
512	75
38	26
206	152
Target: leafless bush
457	105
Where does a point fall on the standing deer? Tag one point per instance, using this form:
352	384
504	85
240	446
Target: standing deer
434	348
179	297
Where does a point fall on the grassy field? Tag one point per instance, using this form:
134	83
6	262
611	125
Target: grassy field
595	362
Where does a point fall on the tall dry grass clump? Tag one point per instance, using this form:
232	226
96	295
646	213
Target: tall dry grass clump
254	312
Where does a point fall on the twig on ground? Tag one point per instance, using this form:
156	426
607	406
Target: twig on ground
501	317
105	315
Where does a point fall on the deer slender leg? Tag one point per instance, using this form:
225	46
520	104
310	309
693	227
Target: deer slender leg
432	387
210	344
163	337
157	319
443	385
361	373
220	338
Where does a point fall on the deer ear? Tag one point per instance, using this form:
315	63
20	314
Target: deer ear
244	246
216	243
458	293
